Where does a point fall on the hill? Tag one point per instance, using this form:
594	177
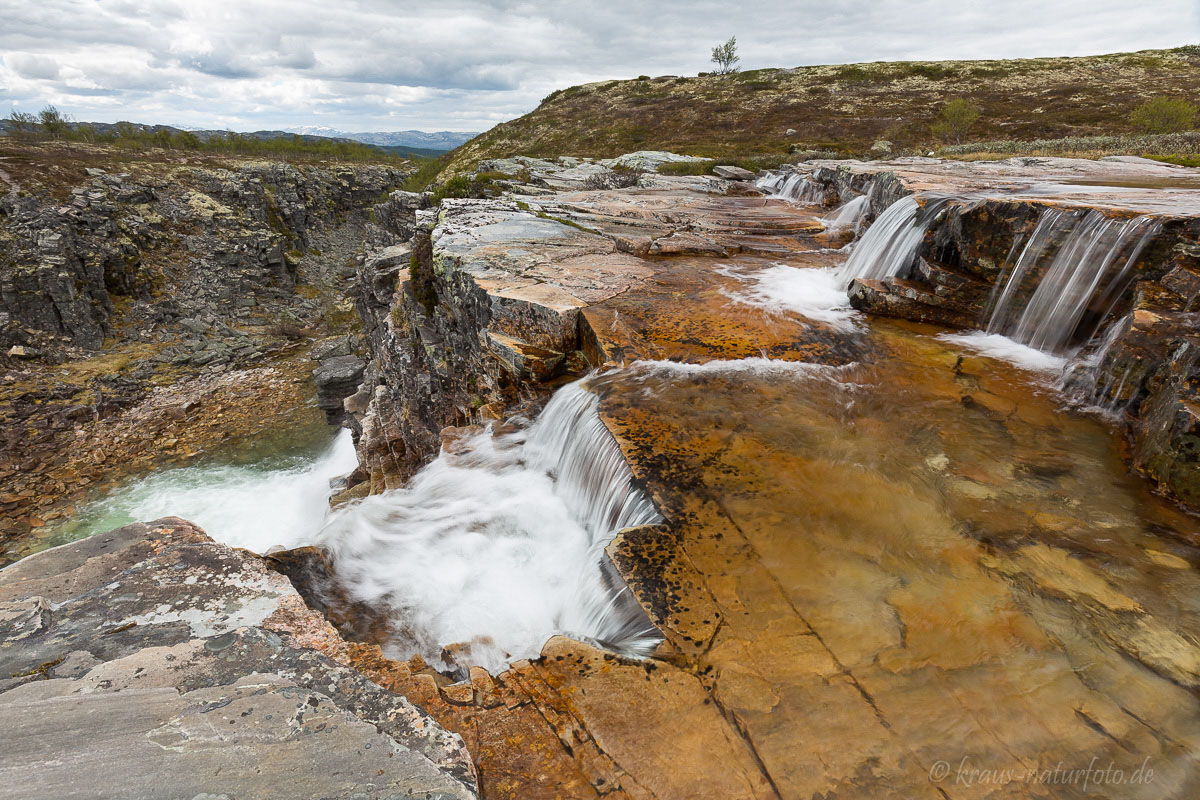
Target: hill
432	141
845	107
273	143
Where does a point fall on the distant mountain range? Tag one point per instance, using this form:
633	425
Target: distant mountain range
439	140
402	143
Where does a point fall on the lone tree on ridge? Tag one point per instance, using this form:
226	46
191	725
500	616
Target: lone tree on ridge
725	56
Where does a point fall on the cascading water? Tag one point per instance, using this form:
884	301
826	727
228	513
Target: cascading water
889	247
1087	275
1080	380
849	216
499	544
794	187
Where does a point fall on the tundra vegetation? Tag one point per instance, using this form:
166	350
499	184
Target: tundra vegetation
779	115
52	125
1165	115
955	119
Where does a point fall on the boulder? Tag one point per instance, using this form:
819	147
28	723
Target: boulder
337	377
733	173
152	651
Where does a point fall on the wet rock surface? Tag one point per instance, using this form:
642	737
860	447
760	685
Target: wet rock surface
965	263
495	300
161	664
885	560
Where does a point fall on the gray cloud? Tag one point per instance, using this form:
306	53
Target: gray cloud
467	64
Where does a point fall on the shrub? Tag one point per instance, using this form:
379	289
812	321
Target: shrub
625	177
22	125
1164	115
54	123
853	73
955	119
931	71
476	186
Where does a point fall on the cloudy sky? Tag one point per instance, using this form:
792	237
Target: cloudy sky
366	65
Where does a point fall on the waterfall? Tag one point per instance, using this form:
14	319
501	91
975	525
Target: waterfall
848	216
1080	381
499	543
794	187
889	247
1087	273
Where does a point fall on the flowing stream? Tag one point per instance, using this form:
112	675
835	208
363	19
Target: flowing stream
1089	271
499	543
270	499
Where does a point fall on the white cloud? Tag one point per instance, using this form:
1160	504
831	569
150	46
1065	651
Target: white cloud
466	64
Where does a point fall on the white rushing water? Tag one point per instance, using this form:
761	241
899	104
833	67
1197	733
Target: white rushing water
792	186
849	216
889	247
993	345
499	544
815	293
248	506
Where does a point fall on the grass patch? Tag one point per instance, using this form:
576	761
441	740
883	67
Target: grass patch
427	172
687	167
1183	161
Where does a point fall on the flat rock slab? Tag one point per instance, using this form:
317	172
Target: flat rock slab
152	662
1138	186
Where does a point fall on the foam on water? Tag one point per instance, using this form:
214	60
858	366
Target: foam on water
994	345
755	366
815	293
240	505
499	545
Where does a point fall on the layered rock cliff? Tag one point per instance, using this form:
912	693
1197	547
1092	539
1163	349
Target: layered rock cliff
155	305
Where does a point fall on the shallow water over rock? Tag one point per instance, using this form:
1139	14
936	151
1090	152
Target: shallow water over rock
938	547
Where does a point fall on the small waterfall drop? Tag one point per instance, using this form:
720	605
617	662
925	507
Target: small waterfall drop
1085	277
499	543
849	216
889	247
794	187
